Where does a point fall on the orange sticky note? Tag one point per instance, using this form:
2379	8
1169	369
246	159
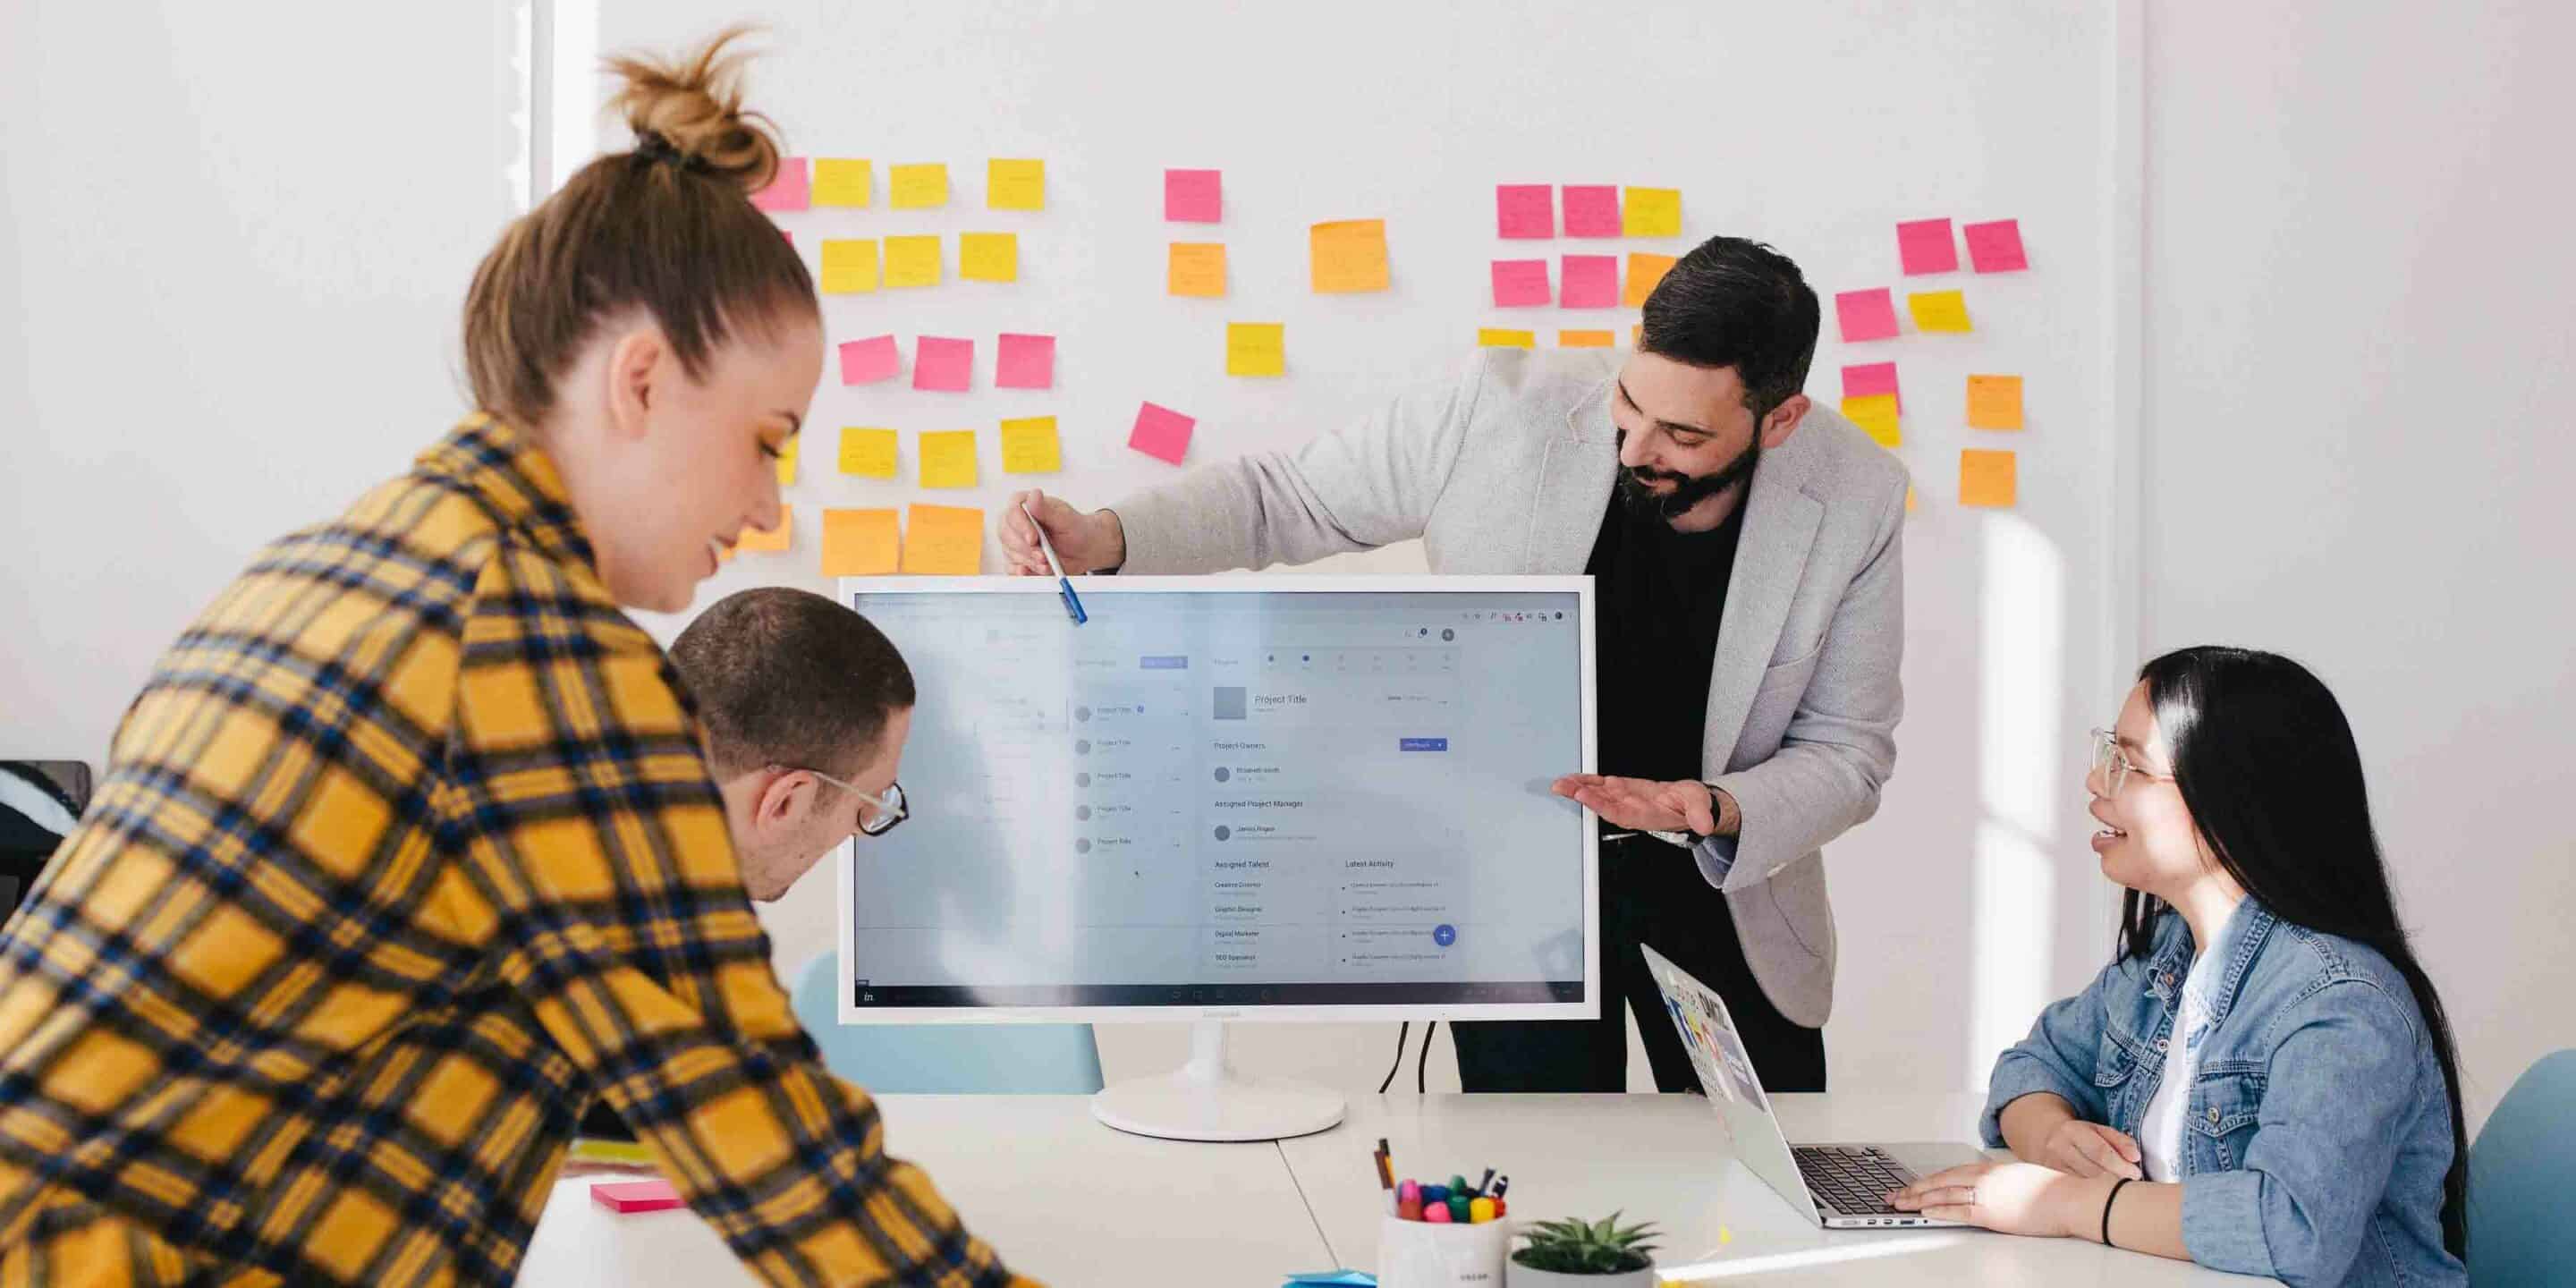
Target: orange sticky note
1994	402
1014	184
1586	339
912	261
1939	311
849	265
774	540
1505	338
1256	349
1875	413
842	181
1030	446
1198	270
918	187
1650	212
1349	256
1909	498
1644	271
787	462
944	541
948	458
868	453
1986	478
859	543
988	257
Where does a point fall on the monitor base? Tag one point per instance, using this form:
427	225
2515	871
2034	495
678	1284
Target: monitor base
1206	1100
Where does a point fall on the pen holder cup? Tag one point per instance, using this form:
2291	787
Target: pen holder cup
1419	1254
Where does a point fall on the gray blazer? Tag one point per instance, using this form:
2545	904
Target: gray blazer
1509	470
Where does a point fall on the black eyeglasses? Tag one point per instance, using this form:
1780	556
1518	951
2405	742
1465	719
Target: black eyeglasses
878	814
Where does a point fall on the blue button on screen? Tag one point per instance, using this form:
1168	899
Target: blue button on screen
1422	744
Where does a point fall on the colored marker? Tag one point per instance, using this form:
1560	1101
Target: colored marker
1480	1211
1437	1214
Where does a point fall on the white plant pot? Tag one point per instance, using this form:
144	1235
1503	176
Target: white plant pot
1521	1276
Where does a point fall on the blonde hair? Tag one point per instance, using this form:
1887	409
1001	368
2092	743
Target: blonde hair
667	228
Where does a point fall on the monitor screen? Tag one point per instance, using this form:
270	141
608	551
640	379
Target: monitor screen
1235	796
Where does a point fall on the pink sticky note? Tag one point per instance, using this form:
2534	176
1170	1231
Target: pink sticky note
1861	380
788	190
1592	210
1520	283
1525	210
1162	433
1591	282
943	364
1193	196
1926	247
1027	362
1866	315
865	362
635	1196
1995	247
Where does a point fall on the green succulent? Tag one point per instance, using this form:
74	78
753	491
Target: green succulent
1603	1247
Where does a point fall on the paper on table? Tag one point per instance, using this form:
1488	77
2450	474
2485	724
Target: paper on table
859	543
773	540
1994	402
1193	196
1030	445
1197	270
1014	184
1586	339
912	261
1161	433
868	453
1995	247
1256	349
948	458
843	181
1866	315
1590	282
1862	379
865	362
944	541
1939	310
1520	283
918	187
1876	415
1925	246
1651	212
1524	210
1644	271
943	364
988	257
849	265
1987	478
1493	337
789	189
1026	362
1591	210
1349	256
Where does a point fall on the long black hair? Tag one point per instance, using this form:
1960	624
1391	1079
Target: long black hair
2268	768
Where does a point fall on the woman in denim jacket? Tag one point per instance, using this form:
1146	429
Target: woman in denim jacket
2284	1103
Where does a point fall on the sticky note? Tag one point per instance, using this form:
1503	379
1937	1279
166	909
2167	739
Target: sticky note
1520	283
943	364
1995	247
1198	270
773	540
1030	446
1925	246
859	543
1909	498
788	189
786	462
1994	402
1591	282
1866	315
1939	310
1523	210
1591	210
635	1196
918	187
1875	414
1256	349
1161	433
1193	196
944	541
912	261
1026	362
868	453
849	265
1014	184
948	458
1986	478
1651	212
1503	338
1349	256
1644	271
988	257
865	362
1586	339
843	181
1860	380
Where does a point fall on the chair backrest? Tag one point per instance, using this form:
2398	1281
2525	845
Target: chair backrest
2521	1171
992	1059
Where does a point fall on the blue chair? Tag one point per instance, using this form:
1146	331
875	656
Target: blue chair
983	1059
2521	1171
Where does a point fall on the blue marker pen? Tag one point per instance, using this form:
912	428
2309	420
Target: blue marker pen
1072	604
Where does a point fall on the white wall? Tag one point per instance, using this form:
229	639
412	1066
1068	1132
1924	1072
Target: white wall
2361	327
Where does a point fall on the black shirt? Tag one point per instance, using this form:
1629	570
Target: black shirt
1658	597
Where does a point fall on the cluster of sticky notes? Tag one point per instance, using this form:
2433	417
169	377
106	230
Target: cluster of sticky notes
1527	211
1030	445
946	364
1162	433
1349	256
850	183
929	540
1256	349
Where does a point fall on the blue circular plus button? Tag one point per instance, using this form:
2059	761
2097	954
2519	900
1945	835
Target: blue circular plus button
1444	935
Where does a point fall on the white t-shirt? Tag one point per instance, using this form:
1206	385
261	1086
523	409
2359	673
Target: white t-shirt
2160	1132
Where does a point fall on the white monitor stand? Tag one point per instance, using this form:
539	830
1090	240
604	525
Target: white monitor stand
1206	1100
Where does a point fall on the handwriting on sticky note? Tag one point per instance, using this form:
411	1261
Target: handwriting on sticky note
918	187
1495	337
1520	283
1590	281
988	257
859	543
1994	402
1197	270
787	461
1995	247
1014	184
1925	246
1939	310
773	540
912	261
1525	210
1591	210
943	541
1026	362
1030	445
868	453
1349	256
1162	433
943	364
849	265
1987	478
1256	349
1644	272
1586	339
948	458
1866	315
1862	379
1876	415
1193	196
865	362
1651	212
843	181
789	189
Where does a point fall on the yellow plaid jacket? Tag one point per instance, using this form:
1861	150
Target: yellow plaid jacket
408	850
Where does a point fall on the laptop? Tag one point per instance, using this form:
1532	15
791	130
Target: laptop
1839	1187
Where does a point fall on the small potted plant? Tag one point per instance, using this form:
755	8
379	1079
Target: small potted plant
1572	1254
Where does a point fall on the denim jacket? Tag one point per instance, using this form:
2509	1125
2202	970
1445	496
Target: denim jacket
2318	1127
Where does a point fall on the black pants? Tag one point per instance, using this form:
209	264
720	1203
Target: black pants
1651	893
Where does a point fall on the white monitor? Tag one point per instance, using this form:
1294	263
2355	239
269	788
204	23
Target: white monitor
1241	798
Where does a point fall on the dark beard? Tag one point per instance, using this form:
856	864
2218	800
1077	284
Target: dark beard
1647	504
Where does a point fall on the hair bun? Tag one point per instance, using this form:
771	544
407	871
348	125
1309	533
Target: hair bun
694	106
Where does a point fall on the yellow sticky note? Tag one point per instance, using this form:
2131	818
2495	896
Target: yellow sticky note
1909	498
787	463
1256	349
1349	256
918	187
944	541
1650	212
840	181
948	458
1499	338
1994	402
1586	339
1644	272
1875	413
776	539
1030	446
912	261
1014	185
988	257
849	265
859	543
868	453
1939	310
1986	478
1198	270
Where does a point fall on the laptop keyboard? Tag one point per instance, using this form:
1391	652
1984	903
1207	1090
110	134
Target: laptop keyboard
1851	1180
